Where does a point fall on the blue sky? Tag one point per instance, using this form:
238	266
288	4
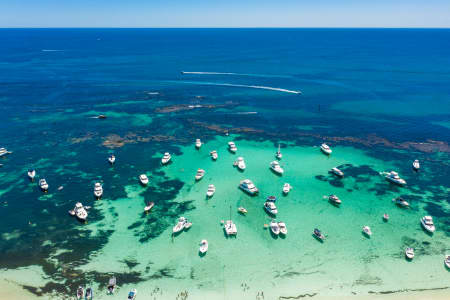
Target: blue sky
225	13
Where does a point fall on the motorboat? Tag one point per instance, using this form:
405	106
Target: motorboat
274	227
203	246
286	188
79	211
427	223
101	117
401	202
149	207
214	154
180	225
166	158
89	294
366	230
242	210
334	199
447	261
385	217
112	159
416	165
4	152
80	292
112	285
211	190
200	174
318	235
247	186
230	228
325	149
31	174
409	253
132	294
271	199
143	179
270	207
283	228
240	163
232	147
337	172
394	178
198	143
43	185
275	166
278	154
98	190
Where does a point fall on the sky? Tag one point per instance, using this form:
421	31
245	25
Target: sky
225	13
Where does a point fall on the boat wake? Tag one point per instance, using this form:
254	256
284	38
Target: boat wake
51	50
245	86
235	74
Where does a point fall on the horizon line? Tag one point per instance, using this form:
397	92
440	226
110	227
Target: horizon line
218	27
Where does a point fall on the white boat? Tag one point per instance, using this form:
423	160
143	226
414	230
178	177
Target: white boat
283	228
275	166
80	292
112	285
274	227
318	235
334	199
149	207
337	172
31	174
240	163
427	223
200	174
143	179
278	154
270	207
230	227
247	186
187	225
166	158
112	159
180	225
79	211
367	231
211	190
447	261
286	188
98	190
325	149
203	246
3	152
394	178
385	217
43	185
198	143
132	294
214	154
232	147
416	165
401	202
242	210
409	253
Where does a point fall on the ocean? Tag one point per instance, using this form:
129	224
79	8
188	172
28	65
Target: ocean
379	98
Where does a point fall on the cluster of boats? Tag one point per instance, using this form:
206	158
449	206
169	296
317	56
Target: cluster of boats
88	294
182	224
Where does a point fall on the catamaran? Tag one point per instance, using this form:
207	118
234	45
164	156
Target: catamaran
229	227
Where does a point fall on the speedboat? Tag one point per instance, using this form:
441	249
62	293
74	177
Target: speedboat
101	117
240	163
427	223
447	261
112	285
80	292
3	152
98	190
416	165
143	179
274	227
247	186
200	174
270	207
111	159
325	149
180	225
409	253
367	231
43	185
401	202
132	294
337	172
166	158
242	210
203	246
283	229
394	178
286	188
79	211
198	143
385	217
149	207
211	190
31	174
278	155
275	166
89	294
232	147
214	154
334	199
318	235
230	228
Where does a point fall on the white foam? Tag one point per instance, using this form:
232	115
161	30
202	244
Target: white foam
51	50
246	86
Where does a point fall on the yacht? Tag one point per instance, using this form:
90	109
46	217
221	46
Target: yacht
278	155
232	147
200	174
275	166
79	211
416	165
270	207
89	293
143	179
180	225
409	253
367	231
427	223
325	149
318	235
166	158
247	186
394	178
211	190
230	228
286	188
198	143
203	246
401	202
337	172
31	174
274	227
149	207
112	159
447	261
98	190
334	199
385	217
240	163
132	294
43	185
283	228
112	285
3	152
80	292
242	210
214	154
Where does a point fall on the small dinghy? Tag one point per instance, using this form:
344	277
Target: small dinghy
283	228
112	285
80	292
149	207
242	210
385	217
89	294
416	165
132	294
214	155
318	235
112	159
200	174
31	174
409	253
211	190
287	188
198	143
274	227
203	246
366	230
143	179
